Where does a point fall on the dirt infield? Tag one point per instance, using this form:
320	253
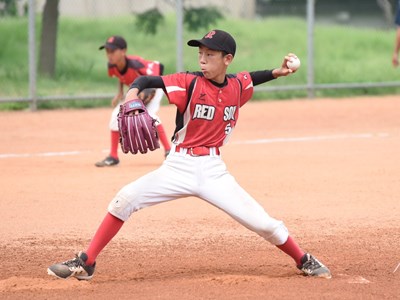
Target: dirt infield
329	168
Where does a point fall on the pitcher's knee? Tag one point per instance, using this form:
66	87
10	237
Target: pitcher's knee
123	204
274	232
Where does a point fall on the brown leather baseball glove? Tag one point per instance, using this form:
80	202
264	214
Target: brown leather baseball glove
137	128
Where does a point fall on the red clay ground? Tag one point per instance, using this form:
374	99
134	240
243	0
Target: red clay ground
329	168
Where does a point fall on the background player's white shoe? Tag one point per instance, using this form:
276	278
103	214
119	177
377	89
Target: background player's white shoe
312	267
75	267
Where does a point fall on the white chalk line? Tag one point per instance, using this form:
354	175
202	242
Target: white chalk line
44	154
354	279
396	268
314	138
359	279
258	141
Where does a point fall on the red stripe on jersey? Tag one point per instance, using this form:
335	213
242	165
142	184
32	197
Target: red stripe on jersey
212	112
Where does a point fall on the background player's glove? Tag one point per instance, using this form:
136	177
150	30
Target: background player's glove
136	128
147	95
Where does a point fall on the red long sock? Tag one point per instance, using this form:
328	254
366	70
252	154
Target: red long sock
114	144
292	249
163	137
106	231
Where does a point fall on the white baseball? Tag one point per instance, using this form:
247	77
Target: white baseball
293	63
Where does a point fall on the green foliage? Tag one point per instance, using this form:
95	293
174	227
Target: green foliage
342	55
14	106
10	7
195	19
149	21
201	18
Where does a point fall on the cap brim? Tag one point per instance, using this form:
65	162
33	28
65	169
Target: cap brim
194	43
112	47
203	42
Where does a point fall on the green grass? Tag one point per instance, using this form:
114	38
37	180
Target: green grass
342	55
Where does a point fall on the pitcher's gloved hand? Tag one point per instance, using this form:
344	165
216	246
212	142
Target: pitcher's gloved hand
137	128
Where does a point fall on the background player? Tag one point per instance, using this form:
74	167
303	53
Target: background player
127	68
208	104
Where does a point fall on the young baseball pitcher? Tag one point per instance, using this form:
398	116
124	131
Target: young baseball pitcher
208	104
127	68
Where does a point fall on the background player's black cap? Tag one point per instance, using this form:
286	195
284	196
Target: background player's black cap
114	42
216	40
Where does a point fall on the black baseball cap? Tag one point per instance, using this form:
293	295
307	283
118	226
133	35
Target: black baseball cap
114	42
216	40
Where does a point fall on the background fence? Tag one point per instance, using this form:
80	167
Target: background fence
377	15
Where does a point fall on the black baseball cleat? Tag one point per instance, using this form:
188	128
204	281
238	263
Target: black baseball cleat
312	267
75	267
107	162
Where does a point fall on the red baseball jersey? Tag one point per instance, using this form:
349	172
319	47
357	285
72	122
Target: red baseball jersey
207	113
135	66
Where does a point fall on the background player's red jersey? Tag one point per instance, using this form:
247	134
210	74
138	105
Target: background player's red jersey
135	66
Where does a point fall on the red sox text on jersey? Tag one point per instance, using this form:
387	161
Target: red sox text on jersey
212	111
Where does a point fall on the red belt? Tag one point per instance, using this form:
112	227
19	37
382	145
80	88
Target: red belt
199	151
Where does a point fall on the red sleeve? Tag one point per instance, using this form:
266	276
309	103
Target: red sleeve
247	87
176	88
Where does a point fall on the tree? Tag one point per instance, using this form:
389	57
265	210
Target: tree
201	18
8	7
48	40
194	19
